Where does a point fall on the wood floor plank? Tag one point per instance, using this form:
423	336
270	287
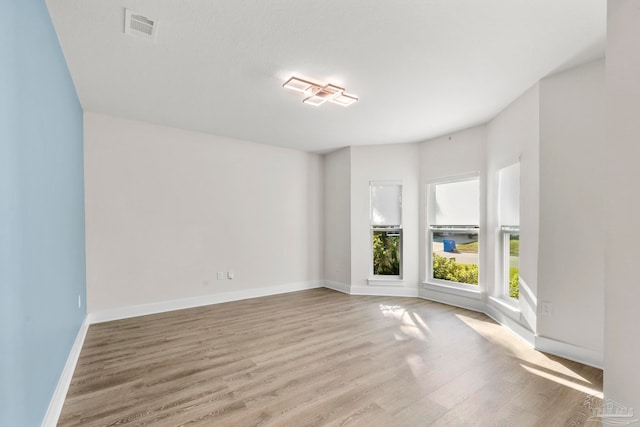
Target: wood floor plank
319	357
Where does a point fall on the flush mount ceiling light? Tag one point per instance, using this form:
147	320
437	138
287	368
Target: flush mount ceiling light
317	94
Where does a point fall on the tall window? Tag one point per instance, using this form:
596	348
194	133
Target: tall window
509	220
454	223
386	229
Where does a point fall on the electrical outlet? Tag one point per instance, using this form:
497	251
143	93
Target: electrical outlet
220	275
230	275
547	308
79	301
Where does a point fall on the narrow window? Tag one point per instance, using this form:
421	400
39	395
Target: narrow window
386	229
509	220
454	223
511	261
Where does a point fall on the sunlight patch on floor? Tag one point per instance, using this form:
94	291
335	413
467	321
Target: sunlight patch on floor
521	350
393	311
411	325
563	381
416	364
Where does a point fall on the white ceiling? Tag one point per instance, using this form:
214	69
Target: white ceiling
421	68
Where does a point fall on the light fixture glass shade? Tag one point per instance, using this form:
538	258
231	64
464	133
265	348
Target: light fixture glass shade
300	85
327	93
318	94
344	99
314	100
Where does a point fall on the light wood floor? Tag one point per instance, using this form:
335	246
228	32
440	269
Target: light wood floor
319	357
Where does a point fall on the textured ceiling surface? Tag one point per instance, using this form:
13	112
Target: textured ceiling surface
421	68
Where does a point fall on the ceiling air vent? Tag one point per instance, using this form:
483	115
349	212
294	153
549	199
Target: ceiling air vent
140	25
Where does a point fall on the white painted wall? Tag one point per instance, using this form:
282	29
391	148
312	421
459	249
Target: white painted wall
459	153
167	208
622	293
398	162
337	218
572	193
511	135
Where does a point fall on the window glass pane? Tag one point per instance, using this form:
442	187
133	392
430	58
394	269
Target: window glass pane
386	204
386	252
455	256
514	265
456	203
509	194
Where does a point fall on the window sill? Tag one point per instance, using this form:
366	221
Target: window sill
384	281
461	290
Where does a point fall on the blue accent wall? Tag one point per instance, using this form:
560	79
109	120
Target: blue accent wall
42	252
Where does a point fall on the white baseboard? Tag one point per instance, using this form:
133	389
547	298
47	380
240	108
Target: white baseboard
570	351
384	291
60	393
180	304
337	286
472	304
511	324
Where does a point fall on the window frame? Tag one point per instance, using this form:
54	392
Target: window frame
508	225
506	231
460	230
457	228
385	228
398	229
